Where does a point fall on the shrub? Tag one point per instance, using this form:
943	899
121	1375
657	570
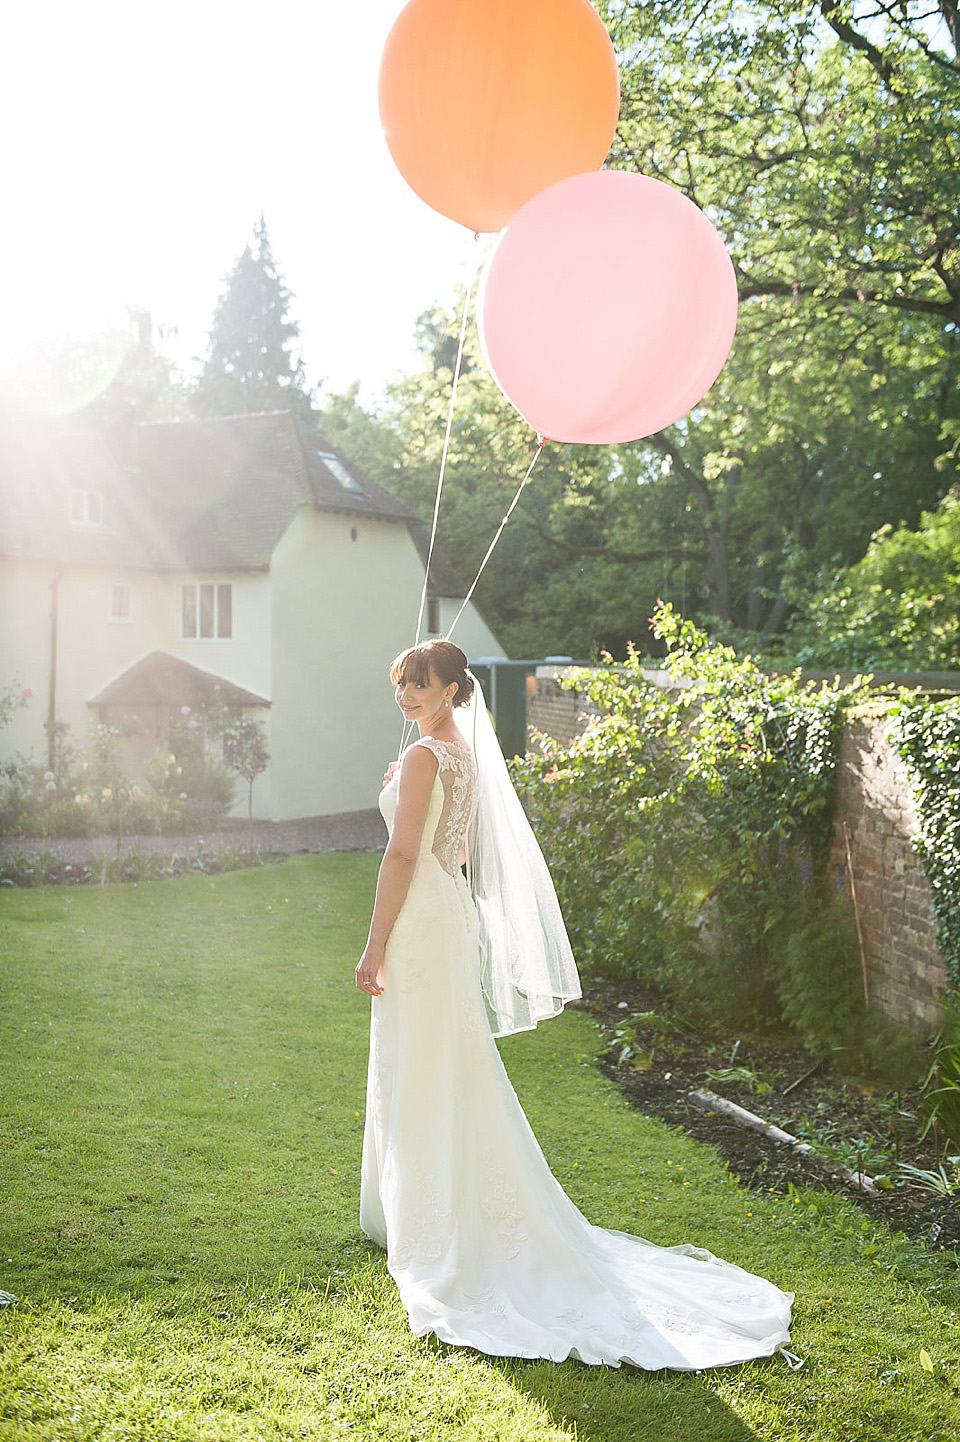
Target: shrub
86	815
31	787
684	824
818	981
68	816
207	788
203	788
189	770
874	1046
940	1097
43	868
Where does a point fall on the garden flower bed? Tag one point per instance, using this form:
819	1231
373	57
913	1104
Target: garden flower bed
866	1123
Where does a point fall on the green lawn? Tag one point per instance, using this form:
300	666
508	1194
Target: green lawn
182	1073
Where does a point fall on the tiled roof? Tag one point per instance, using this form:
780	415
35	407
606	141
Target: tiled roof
225	489
201	495
160	679
330	494
41	464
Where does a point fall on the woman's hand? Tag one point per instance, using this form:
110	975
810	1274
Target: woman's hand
390	772
370	970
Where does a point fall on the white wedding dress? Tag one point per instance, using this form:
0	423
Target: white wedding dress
484	1245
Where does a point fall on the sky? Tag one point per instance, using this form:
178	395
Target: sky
142	143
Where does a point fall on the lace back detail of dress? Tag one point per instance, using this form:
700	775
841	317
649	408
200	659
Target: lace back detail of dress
457	772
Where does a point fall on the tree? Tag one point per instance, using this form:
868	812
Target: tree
250	365
822	139
148	382
245	751
896	609
825	139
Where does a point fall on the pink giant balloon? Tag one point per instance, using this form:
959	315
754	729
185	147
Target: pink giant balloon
607	308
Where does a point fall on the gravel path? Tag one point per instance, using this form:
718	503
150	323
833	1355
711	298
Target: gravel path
350	831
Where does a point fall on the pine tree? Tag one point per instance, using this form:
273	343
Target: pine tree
250	365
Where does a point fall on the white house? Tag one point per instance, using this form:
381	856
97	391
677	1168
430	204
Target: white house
148	567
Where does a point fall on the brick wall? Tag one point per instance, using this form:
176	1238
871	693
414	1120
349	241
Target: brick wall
874	810
564	714
560	714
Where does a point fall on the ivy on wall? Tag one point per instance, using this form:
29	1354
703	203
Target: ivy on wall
688	828
927	735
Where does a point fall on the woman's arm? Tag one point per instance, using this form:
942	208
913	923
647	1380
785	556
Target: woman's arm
417	774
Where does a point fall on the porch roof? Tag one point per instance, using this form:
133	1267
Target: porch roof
160	679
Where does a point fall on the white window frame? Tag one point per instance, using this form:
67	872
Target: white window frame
118	617
197	588
86	509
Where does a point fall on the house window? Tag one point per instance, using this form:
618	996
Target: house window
120	603
433	615
86	508
340	473
206	611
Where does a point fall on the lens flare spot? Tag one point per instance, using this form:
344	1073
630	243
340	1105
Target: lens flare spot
61	351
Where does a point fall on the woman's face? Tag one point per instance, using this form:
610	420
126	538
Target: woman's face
424	700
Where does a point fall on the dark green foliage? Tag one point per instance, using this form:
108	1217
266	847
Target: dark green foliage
824	148
928	737
250	365
940	1099
636	1039
896	609
818	976
874	1046
687	829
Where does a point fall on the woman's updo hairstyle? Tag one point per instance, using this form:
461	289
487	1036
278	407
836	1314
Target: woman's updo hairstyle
447	662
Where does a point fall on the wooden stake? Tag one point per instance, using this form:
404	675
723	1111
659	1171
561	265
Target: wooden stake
856	913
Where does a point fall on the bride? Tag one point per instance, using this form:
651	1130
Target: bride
484	1245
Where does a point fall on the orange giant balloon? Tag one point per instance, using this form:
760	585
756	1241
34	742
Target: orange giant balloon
484	103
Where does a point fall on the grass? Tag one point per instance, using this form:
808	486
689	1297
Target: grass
182	1075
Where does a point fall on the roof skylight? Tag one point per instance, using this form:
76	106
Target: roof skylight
340	473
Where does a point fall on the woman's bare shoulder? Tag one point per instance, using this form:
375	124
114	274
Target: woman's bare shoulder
419	765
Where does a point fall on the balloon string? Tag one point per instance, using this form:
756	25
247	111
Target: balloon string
500	529
407	726
443	457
